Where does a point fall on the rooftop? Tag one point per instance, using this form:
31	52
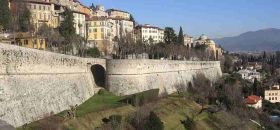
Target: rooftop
111	10
253	99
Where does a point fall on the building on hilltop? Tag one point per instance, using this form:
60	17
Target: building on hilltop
188	41
99	11
49	12
273	94
122	27
118	14
211	45
100	33
105	26
149	34
26	40
254	101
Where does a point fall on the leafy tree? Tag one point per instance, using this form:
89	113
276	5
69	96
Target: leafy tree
53	37
5	16
181	37
170	36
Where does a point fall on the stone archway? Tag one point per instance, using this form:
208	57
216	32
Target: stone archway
99	75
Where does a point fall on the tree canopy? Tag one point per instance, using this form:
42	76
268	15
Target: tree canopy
170	35
5	15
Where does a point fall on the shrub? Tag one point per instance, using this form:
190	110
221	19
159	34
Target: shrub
153	122
115	120
93	52
187	123
101	91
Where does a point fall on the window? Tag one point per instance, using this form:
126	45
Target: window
269	98
275	98
34	6
102	29
39	7
95	30
41	42
269	94
44	7
272	98
89	30
48	8
25	42
95	36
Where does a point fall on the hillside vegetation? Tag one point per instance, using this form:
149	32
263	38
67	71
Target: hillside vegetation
171	111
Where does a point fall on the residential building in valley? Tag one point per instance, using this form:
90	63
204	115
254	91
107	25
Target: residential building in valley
149	34
273	94
254	101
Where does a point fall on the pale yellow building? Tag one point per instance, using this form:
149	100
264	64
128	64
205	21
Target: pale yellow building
27	40
272	95
119	14
100	33
212	47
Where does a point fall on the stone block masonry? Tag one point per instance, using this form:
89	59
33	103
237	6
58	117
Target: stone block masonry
125	77
35	84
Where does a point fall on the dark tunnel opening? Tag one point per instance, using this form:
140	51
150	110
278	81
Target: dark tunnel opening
99	76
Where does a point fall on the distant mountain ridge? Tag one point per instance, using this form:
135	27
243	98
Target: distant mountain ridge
261	40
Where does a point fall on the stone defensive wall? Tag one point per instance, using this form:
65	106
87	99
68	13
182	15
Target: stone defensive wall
35	84
125	77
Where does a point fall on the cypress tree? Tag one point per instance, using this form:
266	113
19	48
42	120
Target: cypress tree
181	37
66	28
5	15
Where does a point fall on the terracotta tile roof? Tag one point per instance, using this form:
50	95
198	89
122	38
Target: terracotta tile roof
253	99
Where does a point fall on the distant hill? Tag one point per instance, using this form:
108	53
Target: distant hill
261	40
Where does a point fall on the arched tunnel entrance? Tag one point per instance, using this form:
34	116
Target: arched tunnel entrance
99	76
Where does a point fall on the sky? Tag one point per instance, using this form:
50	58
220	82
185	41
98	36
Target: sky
215	18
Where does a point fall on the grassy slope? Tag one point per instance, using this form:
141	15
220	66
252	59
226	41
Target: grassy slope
171	111
177	109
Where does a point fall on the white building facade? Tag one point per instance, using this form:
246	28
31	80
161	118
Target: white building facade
272	95
149	34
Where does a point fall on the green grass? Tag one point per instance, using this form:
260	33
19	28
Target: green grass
98	102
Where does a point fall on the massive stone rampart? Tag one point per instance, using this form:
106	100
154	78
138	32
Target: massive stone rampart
125	77
34	83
